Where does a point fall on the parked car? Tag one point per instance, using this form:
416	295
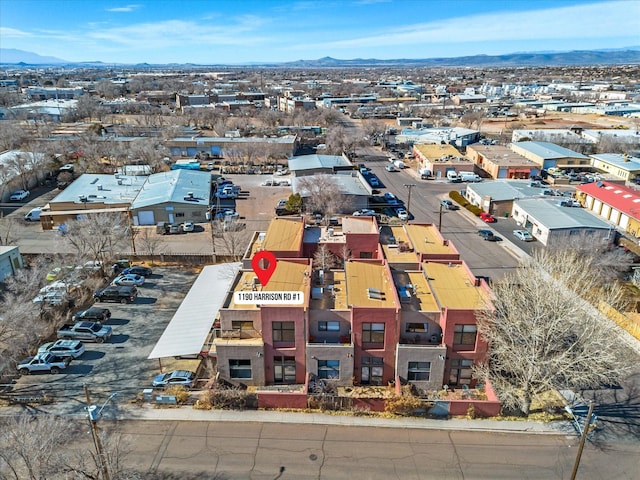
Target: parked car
402	214
138	270
63	348
449	205
33	215
58	286
183	378
488	235
19	195
91	265
365	212
487	217
59	272
374	182
94	314
114	293
188	227
43	362
52	298
86	331
128	280
523	235
174	229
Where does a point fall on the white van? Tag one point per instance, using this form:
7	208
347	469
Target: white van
33	215
452	176
470	177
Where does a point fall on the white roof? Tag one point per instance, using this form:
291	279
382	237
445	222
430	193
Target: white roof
192	322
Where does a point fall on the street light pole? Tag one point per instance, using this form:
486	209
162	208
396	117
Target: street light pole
409	186
440	219
583	439
93	422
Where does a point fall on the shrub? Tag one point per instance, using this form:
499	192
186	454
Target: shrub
458	198
178	391
473	209
403	405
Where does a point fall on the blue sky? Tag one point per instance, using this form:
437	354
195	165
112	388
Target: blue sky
217	31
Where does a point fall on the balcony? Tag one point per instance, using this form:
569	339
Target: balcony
433	340
330	340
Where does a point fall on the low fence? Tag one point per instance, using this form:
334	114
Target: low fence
630	325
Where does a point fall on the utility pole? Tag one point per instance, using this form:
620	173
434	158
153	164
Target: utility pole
93	422
583	439
440	219
409	186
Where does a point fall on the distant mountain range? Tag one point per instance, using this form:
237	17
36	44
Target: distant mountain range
630	55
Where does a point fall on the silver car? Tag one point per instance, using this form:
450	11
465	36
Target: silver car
183	378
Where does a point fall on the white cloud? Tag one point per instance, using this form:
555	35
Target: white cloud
127	8
183	33
7	32
599	20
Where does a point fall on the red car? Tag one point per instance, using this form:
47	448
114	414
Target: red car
487	217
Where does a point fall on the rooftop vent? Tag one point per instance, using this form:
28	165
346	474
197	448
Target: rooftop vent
375	294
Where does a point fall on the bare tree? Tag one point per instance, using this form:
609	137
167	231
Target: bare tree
544	336
231	239
7	230
323	259
149	242
322	193
99	237
49	447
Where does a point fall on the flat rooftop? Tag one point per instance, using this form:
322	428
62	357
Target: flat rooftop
426	239
284	234
288	276
503	156
359	225
453	287
391	251
102	188
369	285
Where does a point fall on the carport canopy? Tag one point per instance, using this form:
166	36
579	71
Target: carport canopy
188	329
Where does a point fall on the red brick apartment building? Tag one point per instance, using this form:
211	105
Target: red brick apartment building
399	306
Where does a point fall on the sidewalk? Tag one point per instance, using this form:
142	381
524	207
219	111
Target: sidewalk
148	412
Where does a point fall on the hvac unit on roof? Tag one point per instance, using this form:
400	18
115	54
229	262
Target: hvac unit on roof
99	186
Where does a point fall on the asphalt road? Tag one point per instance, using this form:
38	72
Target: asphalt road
229	451
490	259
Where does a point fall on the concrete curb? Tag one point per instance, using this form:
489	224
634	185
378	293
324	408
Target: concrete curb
148	412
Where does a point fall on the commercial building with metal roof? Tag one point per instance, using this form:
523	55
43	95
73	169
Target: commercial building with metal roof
314	164
624	166
617	204
175	196
549	155
284	146
497	197
555	225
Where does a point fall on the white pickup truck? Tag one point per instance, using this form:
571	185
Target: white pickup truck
43	362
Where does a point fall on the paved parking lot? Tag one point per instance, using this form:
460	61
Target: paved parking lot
121	364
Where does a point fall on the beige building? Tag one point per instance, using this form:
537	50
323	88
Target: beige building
501	162
438	159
